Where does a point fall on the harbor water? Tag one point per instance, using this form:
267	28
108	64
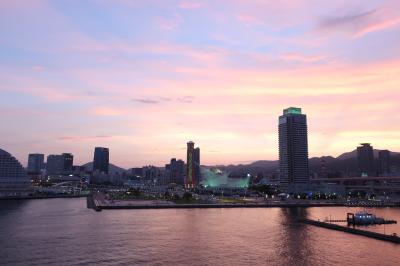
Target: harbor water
65	232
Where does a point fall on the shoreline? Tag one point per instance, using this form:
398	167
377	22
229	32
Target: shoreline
213	206
44	197
216	206
98	205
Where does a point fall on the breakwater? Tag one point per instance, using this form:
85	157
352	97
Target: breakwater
391	238
208	206
98	203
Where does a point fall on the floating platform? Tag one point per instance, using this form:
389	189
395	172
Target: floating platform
390	238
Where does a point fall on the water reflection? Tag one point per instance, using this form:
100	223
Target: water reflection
64	232
295	237
11	205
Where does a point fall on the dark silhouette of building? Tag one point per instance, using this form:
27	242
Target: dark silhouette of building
196	156
193	174
60	164
293	150
55	164
384	162
365	159
151	173
35	163
137	171
174	172
101	160
68	162
323	170
14	181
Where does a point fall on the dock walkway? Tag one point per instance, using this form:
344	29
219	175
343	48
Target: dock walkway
352	230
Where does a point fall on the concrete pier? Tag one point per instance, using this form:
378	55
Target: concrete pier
352	230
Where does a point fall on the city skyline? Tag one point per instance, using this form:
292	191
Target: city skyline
379	153
143	78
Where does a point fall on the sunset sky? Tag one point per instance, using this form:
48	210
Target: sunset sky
145	77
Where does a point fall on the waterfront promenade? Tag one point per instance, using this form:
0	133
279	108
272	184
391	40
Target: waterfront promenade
99	202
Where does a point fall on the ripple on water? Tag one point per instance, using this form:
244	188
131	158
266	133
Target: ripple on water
64	232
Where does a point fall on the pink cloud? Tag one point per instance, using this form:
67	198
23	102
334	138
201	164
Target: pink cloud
107	111
38	68
190	4
361	23
302	57
248	20
226	97
169	23
20	3
377	26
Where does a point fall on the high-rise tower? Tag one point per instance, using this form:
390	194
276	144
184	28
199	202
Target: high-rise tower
193	166
35	163
293	150
384	162
101	160
68	161
365	159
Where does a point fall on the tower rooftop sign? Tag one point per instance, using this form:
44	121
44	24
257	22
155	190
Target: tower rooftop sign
292	110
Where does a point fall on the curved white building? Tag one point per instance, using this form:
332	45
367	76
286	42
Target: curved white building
13	179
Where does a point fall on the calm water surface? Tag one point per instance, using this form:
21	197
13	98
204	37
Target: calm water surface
65	232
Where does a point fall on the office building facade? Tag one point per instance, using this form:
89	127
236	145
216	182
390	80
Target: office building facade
55	164
68	162
35	163
365	160
384	162
101	160
174	172
60	164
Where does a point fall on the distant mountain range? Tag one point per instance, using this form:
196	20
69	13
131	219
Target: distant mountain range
353	154
345	163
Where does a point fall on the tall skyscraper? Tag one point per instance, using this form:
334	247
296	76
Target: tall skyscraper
384	162
196	160
293	150
193	175
35	163
365	159
68	161
101	160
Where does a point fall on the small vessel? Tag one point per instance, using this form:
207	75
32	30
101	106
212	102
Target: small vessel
365	218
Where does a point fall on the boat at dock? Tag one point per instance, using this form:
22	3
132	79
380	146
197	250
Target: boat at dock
365	218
